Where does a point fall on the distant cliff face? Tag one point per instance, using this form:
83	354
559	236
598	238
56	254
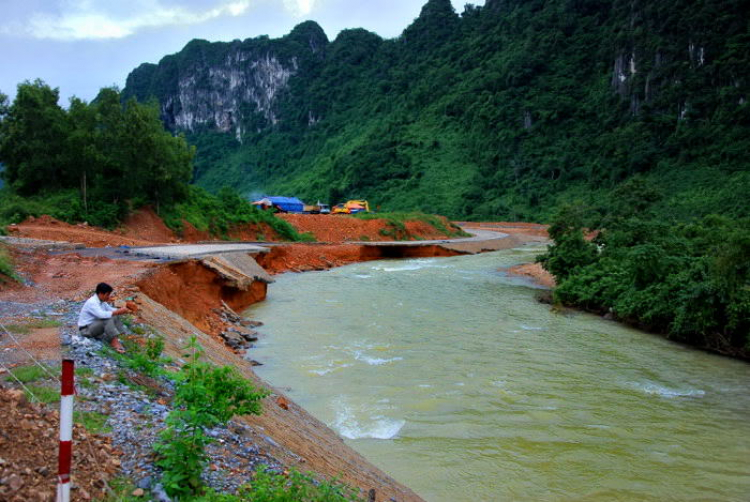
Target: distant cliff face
219	95
226	86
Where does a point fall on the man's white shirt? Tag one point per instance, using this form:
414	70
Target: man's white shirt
92	310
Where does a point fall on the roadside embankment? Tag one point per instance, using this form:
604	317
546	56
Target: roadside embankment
198	289
344	228
284	430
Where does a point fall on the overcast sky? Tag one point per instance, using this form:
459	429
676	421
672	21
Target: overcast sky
81	46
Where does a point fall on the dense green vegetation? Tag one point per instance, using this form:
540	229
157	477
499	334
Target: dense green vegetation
7	270
92	162
504	111
97	162
690	281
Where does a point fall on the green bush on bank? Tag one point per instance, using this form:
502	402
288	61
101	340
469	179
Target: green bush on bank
7	270
205	397
64	205
689	281
208	396
218	213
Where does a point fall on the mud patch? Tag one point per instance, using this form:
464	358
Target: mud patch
535	272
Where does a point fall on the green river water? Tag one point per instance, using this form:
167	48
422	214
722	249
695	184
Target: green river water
452	378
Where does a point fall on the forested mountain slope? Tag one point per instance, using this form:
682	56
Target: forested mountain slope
507	110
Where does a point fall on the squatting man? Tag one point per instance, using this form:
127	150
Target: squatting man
98	318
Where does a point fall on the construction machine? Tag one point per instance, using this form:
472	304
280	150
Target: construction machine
351	207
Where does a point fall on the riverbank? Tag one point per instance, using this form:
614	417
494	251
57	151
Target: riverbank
499	396
193	297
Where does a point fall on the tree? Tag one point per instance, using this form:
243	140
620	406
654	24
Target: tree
33	140
570	251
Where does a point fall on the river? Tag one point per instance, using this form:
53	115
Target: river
452	378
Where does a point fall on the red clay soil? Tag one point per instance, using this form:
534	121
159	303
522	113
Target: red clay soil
146	225
341	228
68	276
29	441
48	228
142	228
306	257
195	292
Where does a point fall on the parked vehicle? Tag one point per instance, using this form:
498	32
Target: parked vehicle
318	208
280	204
351	207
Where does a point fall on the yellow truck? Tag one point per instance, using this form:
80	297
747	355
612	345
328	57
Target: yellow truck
351	207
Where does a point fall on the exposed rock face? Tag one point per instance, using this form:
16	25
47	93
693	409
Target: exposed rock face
228	87
219	96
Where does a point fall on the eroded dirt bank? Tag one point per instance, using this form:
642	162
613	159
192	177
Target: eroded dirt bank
195	292
307	257
341	228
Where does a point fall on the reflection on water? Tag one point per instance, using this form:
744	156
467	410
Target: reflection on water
450	377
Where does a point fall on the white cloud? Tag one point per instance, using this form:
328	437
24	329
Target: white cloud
299	8
96	19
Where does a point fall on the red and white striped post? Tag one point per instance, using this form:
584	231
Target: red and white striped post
66	431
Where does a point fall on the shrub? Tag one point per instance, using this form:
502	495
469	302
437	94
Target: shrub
206	396
268	486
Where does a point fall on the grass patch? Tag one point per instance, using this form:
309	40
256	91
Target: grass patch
31	373
82	377
121	490
122	377
83	371
85	383
7	268
94	422
268	486
28	327
18	329
41	394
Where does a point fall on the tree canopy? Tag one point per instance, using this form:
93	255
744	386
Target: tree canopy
109	153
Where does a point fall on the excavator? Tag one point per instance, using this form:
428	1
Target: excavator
351	207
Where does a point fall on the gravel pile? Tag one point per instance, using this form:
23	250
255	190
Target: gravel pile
136	408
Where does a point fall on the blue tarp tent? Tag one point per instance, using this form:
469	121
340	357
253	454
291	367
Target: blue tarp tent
285	204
